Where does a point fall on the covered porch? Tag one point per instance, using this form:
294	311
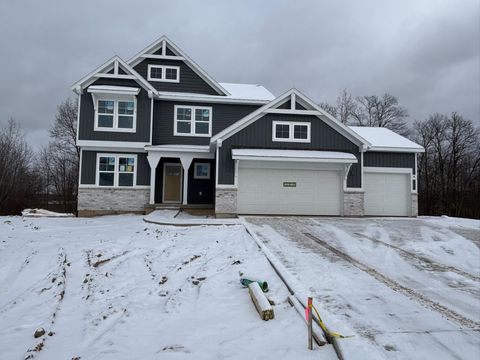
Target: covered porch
181	175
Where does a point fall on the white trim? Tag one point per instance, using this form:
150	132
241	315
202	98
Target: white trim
286	159
177	149
163	184
195	165
113	144
162	57
207	98
293	101
137	187
116	172
395	149
151	120
292	112
115	76
192	121
291	129
324	116
78	116
163	41
164	73
116	99
226	187
217	152
80	168
114	90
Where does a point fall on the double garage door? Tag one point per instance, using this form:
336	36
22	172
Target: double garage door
287	191
387	194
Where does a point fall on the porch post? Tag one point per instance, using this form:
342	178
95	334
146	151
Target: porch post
186	161
153	159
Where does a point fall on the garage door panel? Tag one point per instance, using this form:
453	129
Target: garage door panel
387	194
262	191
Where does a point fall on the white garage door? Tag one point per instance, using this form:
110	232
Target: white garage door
289	191
387	194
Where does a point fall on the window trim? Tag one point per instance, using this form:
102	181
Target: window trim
206	177
116	172
116	99
192	121
164	68
291	130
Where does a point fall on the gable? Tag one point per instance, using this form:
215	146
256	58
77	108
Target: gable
189	82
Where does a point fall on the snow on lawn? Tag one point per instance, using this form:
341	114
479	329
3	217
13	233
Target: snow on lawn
118	288
400	303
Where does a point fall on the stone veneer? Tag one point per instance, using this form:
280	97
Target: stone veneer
225	202
98	201
414	205
353	203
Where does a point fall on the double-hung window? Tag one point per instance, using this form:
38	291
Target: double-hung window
193	121
290	131
115	115
116	170
164	73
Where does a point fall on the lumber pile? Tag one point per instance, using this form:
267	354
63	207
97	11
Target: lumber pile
262	304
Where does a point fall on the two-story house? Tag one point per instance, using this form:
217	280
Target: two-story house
157	129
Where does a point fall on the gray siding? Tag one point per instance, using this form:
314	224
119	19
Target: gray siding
223	115
89	164
190	82
259	135
389	159
87	116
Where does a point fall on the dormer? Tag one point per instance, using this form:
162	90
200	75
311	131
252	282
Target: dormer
170	70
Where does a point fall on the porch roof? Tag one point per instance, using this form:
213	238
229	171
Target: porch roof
178	148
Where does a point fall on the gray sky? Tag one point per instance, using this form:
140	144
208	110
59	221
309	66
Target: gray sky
427	53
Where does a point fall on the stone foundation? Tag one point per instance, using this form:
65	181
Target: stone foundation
414	205
226	202
98	201
353	204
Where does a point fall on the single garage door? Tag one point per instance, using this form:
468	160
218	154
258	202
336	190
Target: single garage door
387	194
289	192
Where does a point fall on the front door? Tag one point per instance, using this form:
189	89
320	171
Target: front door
172	183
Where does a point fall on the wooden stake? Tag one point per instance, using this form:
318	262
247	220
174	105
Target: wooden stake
309	323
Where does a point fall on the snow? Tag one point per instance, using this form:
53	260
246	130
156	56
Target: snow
43	213
380	137
180	218
248	91
394	283
298	155
116	287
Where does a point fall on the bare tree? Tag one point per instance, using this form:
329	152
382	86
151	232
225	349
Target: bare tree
331	109
346	107
382	111
64	129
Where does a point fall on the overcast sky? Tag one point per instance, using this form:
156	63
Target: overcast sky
427	53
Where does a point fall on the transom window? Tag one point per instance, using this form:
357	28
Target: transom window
163	73
202	171
193	121
115	115
290	131
116	170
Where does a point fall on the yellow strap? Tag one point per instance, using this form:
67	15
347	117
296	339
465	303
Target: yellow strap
324	328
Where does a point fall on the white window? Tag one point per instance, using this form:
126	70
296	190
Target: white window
201	171
115	114
116	170
193	121
290	131
164	73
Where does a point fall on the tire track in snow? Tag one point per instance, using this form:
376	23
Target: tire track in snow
435	266
392	284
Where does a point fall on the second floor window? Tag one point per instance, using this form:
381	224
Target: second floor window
115	115
163	73
289	131
193	121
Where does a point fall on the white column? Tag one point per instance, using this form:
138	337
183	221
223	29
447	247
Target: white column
153	159
186	161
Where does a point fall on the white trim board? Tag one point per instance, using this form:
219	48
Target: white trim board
112	144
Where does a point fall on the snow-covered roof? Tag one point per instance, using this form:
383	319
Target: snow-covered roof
109	89
248	91
383	139
293	155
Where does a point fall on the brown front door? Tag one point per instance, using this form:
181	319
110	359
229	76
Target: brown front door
172	183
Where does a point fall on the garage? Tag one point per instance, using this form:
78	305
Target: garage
291	182
387	194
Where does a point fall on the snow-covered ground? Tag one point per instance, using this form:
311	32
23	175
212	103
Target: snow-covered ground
118	288
408	288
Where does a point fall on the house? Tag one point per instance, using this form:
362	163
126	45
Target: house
158	130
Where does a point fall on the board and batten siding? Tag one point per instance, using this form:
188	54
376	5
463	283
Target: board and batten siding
89	167
389	159
87	116
259	135
223	115
190	82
